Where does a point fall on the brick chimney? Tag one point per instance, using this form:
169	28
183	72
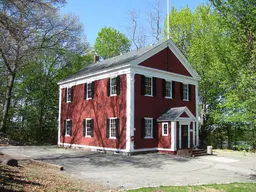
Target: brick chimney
96	58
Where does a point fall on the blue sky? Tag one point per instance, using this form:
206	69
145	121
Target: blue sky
96	14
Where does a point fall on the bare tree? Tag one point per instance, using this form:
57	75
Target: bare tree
136	32
155	20
27	29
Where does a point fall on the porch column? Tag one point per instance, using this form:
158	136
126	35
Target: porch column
189	135
130	112
179	135
173	136
194	133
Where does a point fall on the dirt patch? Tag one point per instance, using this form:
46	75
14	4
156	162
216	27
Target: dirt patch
32	176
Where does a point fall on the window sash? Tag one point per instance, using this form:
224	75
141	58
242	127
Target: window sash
148	86
165	129
168	89
69	94
68	128
185	92
112	128
88	127
148	127
113	86
89	91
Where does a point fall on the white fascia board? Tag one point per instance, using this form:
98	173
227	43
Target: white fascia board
137	69
113	72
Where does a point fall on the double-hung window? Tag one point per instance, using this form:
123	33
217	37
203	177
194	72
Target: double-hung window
148	86
113	86
68	127
185	92
88	127
168	89
112	128
69	94
165	129
89	91
148	127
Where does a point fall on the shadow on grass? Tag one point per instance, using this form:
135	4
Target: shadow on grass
11	181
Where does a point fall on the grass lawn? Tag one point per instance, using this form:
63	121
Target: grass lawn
33	176
233	187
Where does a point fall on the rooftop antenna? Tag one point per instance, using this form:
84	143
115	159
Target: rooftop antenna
168	18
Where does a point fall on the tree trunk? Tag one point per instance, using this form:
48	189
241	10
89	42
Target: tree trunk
7	102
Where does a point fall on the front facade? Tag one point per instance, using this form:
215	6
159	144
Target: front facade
142	101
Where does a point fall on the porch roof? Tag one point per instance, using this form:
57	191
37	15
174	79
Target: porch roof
174	113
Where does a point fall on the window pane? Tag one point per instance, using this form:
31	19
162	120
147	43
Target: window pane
185	92
168	89
69	94
89	90
113	87
88	128
68	127
148	85
148	127
165	129
112	127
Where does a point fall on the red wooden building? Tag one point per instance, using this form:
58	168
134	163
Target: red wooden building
144	100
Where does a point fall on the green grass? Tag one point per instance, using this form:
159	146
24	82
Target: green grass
233	187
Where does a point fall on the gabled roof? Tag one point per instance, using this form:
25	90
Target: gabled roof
174	113
133	58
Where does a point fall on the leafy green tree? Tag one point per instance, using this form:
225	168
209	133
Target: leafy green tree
110	43
199	36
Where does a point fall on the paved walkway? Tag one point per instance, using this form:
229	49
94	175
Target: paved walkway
146	170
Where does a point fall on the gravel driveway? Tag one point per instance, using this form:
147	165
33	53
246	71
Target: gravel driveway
126	172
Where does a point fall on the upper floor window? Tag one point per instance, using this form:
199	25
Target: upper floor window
114	86
113	128
148	86
168	89
68	127
148	127
88	127
185	92
69	93
165	129
88	90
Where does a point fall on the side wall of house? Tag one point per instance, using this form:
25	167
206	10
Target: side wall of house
100	108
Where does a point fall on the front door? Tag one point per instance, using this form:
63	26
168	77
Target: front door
184	136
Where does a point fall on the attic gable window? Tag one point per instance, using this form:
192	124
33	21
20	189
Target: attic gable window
69	94
148	86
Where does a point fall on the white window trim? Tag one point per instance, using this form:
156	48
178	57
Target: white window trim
149	118
110	86
170	90
165	123
87	97
187	92
68	101
151	95
86	127
67	135
110	127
